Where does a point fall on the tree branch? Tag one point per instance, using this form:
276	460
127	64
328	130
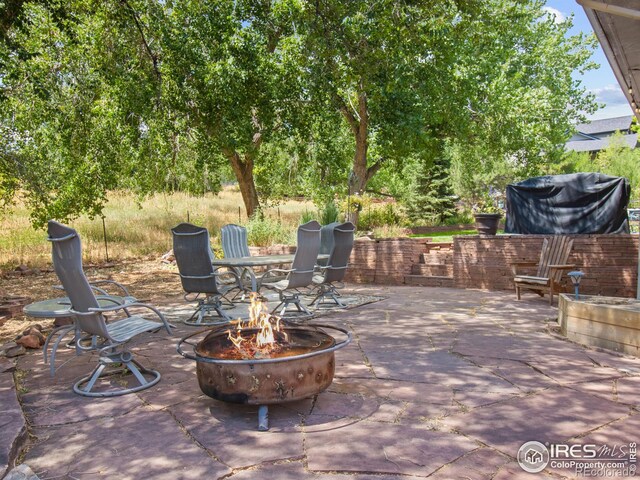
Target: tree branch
377	165
347	114
152	56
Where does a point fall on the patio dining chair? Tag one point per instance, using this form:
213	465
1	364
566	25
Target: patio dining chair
326	241
332	274
109	339
200	280
234	241
300	275
235	244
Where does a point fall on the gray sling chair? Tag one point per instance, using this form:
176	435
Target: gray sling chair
334	271
326	241
300	274
109	339
192	250
235	245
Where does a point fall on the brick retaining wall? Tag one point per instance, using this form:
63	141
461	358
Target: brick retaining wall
384	261
610	262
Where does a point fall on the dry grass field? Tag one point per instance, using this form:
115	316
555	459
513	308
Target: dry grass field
142	229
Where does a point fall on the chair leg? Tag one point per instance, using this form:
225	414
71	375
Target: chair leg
62	332
295	300
205	306
330	292
518	292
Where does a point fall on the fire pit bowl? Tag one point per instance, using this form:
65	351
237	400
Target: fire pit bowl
301	368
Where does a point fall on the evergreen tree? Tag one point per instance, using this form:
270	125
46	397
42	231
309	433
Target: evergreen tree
432	199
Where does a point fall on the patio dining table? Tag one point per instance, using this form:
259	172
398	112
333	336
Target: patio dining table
247	264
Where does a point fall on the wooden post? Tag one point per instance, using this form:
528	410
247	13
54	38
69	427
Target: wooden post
104	233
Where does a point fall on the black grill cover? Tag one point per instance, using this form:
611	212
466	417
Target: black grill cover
566	204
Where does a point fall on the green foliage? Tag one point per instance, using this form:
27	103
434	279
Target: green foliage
616	159
389	231
460	218
431	200
494	76
376	217
478	178
619	160
329	213
319	99
307	216
264	231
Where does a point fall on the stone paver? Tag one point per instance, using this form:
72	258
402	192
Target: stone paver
438	383
12	422
554	415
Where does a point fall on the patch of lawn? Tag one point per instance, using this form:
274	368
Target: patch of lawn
447	236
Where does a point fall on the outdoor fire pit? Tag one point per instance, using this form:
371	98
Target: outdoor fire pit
264	361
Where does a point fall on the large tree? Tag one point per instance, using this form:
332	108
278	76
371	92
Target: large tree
407	76
234	73
142	94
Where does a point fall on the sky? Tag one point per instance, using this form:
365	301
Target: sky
602	82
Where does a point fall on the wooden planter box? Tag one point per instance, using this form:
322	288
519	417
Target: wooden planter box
607	322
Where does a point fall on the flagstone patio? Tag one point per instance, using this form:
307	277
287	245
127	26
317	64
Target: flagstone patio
439	383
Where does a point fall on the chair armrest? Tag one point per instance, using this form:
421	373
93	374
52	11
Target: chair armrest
515	265
110	298
563	267
277	270
101	291
111	282
271	273
115	308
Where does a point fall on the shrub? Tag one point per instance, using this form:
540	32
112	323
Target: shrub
378	217
264	231
307	216
329	213
389	231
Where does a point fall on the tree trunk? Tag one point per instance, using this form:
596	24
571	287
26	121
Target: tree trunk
361	172
243	168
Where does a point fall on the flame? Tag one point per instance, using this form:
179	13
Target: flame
268	326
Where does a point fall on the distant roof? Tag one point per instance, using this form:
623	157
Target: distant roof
631	140
615	23
605	125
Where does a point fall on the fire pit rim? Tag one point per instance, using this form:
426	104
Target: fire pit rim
250	361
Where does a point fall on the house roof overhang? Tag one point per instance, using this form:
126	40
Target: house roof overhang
616	23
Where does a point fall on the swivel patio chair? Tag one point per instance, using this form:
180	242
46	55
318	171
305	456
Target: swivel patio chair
235	245
109	339
300	275
234	241
200	280
326	241
332	275
553	262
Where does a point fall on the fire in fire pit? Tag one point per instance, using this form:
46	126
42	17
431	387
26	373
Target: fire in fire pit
269	338
265	360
